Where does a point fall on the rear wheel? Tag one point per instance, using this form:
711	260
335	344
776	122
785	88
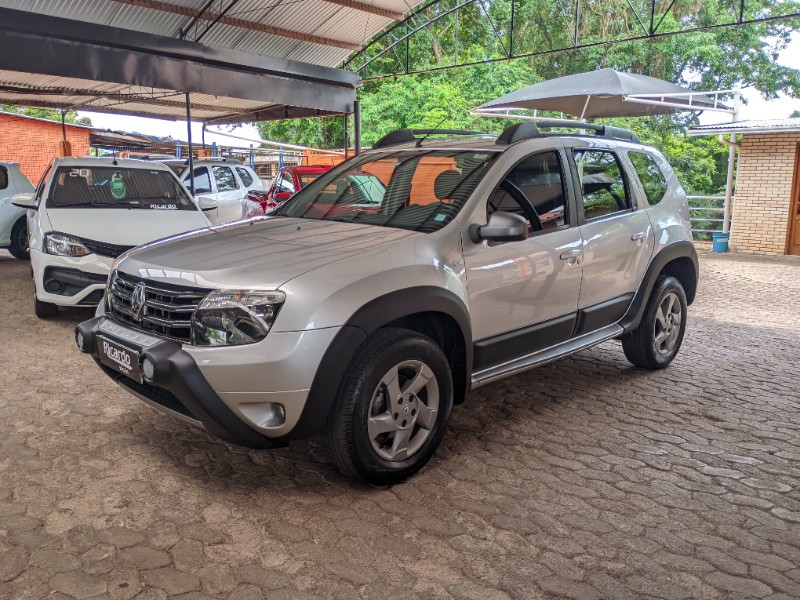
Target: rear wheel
392	408
655	343
19	239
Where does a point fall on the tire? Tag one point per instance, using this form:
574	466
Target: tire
365	437
44	310
19	240
656	341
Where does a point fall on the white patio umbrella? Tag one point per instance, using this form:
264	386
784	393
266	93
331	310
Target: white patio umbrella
604	93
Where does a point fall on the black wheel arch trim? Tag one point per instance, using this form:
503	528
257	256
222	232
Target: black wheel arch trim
670	254
366	320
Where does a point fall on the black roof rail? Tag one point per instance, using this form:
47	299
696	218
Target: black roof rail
520	131
405	136
532	129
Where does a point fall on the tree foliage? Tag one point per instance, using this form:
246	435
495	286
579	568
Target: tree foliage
51	114
714	59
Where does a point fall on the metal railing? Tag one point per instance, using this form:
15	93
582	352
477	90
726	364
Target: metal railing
707	215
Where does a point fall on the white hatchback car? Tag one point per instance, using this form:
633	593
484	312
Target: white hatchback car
13	228
88	211
229	183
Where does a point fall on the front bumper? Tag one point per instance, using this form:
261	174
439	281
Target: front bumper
68	281
188	383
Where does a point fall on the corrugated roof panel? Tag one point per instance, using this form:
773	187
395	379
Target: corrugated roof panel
315	54
91	11
147	20
305	17
268	45
353	26
749	126
314	17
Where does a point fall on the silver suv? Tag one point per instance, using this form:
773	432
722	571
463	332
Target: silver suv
385	291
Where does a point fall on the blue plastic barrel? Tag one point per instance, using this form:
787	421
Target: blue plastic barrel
720	241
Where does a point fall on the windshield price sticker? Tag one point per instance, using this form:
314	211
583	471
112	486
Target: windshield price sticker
118	188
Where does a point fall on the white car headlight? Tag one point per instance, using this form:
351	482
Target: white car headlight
235	317
60	244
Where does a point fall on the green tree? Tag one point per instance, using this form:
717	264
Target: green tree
51	114
795	114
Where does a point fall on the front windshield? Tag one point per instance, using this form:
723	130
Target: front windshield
117	187
409	189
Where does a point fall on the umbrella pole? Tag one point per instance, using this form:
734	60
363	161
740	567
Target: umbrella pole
585	106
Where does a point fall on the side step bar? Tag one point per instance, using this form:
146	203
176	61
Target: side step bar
545	356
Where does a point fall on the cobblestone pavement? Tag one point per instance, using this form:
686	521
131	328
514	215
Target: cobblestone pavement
586	478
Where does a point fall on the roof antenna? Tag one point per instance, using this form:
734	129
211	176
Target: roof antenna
430	131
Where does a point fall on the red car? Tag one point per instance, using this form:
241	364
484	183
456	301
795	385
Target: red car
288	182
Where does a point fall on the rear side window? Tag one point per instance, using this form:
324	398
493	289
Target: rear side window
602	183
650	174
3	178
225	179
244	175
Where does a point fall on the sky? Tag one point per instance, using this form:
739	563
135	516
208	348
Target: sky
755	107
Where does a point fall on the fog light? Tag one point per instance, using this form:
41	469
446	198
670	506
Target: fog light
278	414
148	369
79	341
53	286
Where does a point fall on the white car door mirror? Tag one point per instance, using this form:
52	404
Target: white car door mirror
206	203
26	200
502	227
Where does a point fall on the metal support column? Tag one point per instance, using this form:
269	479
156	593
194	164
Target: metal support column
189	130
726	215
346	138
357	126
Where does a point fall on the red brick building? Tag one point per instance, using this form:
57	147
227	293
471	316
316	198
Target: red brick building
34	142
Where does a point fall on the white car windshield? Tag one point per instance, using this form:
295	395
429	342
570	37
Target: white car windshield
417	190
117	187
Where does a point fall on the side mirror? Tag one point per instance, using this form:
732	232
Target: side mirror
283	196
206	203
26	200
502	227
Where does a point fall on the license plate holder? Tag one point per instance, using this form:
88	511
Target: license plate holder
119	357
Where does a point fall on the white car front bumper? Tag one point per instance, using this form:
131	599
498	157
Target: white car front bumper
69	281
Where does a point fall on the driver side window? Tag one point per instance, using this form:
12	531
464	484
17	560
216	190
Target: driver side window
534	189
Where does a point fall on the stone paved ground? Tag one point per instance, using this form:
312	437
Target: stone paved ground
586	478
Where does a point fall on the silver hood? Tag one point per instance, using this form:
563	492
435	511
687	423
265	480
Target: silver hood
261	253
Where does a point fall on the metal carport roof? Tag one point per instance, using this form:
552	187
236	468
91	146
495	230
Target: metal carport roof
240	60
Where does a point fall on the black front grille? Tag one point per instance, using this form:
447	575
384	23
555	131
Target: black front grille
167	310
94	298
104	249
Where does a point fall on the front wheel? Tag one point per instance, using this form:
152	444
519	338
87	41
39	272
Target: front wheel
657	339
19	240
392	408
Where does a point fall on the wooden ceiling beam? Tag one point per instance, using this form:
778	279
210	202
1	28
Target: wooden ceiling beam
242	23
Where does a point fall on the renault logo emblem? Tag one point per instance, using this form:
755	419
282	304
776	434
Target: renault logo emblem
137	302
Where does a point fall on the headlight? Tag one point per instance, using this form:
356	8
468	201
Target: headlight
64	245
235	317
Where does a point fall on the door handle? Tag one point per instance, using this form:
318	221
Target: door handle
569	255
638	237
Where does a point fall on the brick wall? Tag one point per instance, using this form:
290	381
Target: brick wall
33	144
763	193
